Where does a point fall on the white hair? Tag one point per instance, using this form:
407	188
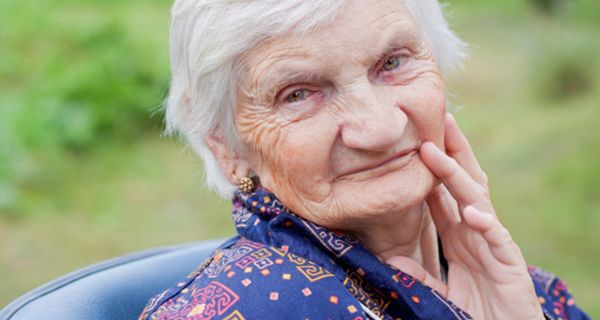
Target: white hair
208	36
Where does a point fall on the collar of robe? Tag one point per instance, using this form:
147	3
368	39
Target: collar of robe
386	291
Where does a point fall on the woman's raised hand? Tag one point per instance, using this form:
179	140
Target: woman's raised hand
487	274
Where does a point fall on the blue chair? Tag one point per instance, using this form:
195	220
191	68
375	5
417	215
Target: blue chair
118	288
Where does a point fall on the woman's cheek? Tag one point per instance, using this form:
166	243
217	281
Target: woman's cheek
437	104
306	148
264	135
296	154
426	105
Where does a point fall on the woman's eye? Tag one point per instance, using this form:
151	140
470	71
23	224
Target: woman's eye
393	62
296	95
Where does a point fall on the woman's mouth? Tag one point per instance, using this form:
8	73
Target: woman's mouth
380	168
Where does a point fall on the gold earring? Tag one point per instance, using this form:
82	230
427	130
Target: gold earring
245	184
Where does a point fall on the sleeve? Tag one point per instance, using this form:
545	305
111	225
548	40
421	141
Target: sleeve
555	297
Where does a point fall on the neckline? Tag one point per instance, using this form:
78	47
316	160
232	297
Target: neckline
264	202
260	216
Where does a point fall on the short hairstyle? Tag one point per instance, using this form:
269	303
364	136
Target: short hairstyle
207	38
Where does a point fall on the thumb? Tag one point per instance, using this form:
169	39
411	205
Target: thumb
417	271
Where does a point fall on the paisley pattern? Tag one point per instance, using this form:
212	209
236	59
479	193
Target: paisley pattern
283	267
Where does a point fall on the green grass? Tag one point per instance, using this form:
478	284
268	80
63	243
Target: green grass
120	187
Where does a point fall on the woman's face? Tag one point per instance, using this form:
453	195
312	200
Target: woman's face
333	120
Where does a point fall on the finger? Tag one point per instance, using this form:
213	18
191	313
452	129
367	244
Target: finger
479	220
460	184
417	271
498	239
459	148
443	209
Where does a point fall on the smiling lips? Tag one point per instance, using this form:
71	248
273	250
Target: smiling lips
395	162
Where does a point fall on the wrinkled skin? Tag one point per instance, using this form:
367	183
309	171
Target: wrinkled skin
347	126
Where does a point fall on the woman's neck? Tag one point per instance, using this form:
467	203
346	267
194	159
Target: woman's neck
410	234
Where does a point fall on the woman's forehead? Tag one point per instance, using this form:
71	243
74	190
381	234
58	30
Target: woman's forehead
361	33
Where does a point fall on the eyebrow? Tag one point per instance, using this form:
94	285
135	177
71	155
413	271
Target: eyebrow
278	79
399	37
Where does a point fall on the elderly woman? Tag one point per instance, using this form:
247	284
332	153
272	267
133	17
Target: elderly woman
357	197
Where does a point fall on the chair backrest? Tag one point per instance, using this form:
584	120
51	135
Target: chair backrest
114	289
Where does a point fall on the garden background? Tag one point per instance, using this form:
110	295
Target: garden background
85	174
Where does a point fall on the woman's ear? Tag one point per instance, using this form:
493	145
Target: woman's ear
232	165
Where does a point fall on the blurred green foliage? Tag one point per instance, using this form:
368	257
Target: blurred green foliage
84	175
71	77
567	68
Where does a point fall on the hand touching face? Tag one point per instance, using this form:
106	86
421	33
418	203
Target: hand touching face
487	274
333	120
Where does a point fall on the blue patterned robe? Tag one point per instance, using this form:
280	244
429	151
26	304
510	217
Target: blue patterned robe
281	266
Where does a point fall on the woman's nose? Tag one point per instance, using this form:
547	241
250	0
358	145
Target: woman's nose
370	124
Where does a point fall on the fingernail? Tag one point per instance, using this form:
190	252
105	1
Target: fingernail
471	208
451	117
485	215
